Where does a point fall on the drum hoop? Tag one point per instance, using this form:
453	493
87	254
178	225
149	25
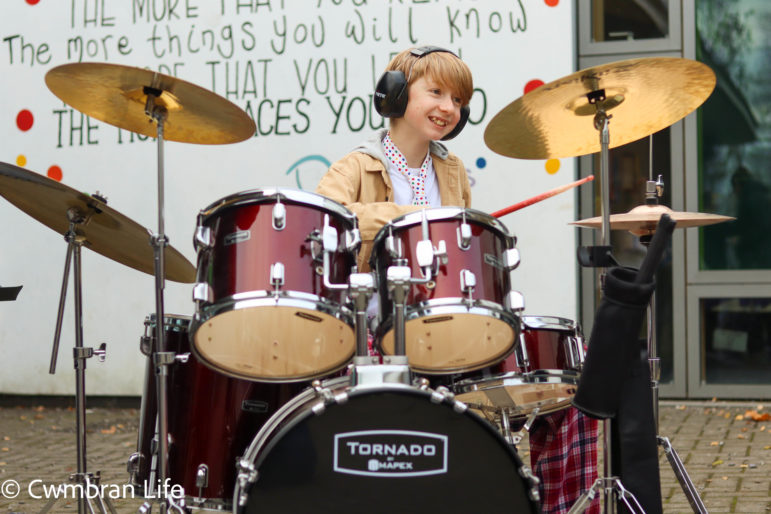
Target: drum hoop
446	213
293	196
264	298
514	378
549	323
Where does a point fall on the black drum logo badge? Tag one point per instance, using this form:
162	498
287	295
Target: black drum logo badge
390	453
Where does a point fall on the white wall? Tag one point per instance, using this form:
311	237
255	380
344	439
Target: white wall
295	65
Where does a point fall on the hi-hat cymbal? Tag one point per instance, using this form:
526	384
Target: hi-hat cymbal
643	219
105	230
642	96
116	95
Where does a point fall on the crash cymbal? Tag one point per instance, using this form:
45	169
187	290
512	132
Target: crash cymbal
116	95
642	220
105	231
642	96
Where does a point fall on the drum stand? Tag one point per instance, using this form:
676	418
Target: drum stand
654	190
600	256
90	497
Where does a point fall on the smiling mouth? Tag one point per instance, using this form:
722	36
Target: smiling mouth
438	121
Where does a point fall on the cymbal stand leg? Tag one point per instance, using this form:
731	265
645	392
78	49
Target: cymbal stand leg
85	481
162	359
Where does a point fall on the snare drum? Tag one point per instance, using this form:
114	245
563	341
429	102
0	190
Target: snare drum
380	449
211	420
265	311
542	373
465	316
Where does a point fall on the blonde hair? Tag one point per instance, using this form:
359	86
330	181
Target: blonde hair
443	67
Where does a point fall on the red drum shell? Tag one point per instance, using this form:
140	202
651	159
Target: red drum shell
445	330
212	419
249	327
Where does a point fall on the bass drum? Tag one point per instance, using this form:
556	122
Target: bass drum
380	449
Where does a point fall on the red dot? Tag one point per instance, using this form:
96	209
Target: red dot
550	3
533	84
55	172
32	2
24	120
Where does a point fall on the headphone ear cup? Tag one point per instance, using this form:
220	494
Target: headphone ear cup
464	114
391	94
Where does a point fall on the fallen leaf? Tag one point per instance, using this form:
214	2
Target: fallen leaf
5	449
762	428
717	462
6	438
39	416
738	417
680	407
767	447
756	416
741	436
724	478
110	430
3	463
759	407
40	408
715	443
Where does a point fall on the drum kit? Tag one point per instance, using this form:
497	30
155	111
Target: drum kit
268	397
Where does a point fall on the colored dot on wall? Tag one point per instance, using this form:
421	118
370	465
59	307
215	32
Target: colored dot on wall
21	160
32	2
481	163
24	120
551	3
533	84
552	166
55	172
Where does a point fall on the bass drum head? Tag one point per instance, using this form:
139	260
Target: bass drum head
387	449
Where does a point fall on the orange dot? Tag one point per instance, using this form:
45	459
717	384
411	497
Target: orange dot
552	166
533	84
55	172
551	3
21	160
32	2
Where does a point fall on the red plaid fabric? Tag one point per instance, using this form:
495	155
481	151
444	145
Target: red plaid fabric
563	455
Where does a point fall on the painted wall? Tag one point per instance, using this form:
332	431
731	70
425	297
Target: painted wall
305	71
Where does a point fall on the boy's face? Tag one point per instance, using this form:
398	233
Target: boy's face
432	110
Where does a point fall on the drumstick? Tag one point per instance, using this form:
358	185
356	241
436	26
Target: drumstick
542	196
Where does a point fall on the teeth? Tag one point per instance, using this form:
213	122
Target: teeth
439	122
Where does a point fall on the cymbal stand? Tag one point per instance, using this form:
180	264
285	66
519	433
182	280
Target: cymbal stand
653	191
614	490
86	483
162	359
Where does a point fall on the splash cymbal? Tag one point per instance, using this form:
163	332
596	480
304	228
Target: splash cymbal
117	94
105	230
642	96
642	220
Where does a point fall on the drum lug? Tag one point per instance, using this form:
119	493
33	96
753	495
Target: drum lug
133	466
202	292
279	215
575	351
515	301
277	275
511	259
464	235
353	240
440	253
202	238
393	246
468	281
202	478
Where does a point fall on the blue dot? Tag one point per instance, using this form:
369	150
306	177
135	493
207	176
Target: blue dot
481	162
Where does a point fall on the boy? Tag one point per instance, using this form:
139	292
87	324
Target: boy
425	92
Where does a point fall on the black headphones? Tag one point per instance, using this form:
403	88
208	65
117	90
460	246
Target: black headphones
391	92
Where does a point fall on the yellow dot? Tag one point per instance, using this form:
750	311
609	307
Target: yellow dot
21	160
552	166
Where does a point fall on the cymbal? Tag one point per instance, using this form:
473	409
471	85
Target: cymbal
105	231
642	96
115	94
642	220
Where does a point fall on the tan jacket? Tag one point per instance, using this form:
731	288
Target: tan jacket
360	182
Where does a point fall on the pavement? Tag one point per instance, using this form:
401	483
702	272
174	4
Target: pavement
725	447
